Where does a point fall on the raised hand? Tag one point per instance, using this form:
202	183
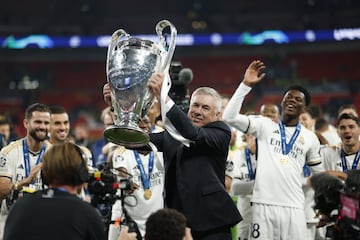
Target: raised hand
33	173
125	235
155	83
254	73
106	93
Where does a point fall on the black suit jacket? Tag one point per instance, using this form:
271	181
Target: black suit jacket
197	172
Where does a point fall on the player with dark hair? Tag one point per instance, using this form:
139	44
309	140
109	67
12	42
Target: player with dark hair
20	161
348	108
270	110
283	149
339	160
5	131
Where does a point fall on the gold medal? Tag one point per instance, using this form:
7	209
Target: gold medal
284	159
147	194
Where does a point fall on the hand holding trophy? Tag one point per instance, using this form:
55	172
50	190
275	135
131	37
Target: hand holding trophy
129	65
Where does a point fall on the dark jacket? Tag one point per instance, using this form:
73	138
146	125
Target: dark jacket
53	214
195	175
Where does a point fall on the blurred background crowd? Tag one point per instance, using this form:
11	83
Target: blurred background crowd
74	77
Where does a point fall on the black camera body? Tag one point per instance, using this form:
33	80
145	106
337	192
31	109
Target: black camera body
180	79
103	186
339	202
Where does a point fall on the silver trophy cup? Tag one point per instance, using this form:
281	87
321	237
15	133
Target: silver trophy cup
129	65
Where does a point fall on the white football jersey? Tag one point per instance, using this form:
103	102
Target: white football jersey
12	163
12	166
139	208
279	181
331	156
236	165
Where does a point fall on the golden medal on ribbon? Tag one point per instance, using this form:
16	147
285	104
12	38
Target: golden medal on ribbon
284	159
147	194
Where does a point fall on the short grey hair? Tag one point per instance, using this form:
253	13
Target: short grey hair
211	92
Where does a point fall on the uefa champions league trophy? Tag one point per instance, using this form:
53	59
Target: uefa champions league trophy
129	65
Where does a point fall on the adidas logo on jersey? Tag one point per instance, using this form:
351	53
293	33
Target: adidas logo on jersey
20	166
276	131
136	167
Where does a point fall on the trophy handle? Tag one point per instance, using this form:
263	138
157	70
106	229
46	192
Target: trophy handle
118	34
159	29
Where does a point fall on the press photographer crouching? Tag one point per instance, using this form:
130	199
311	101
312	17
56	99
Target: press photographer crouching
57	212
337	203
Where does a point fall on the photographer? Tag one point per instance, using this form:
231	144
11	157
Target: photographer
337	203
56	212
340	159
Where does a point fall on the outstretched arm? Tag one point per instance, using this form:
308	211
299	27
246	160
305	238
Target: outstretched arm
253	74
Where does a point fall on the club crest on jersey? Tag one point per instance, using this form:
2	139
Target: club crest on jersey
2	162
301	140
119	158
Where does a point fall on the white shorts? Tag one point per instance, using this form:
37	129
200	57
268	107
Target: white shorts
277	223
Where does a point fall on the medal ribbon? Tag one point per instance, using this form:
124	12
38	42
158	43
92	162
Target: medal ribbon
145	178
306	170
248	163
27	156
286	147
343	160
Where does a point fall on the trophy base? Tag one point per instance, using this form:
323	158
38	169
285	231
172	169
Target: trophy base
127	136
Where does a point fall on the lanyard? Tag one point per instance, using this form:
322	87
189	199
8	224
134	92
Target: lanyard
306	170
286	147
145	178
343	160
27	156
61	189
248	163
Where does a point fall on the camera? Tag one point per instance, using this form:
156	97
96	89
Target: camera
338	202
102	186
105	187
180	79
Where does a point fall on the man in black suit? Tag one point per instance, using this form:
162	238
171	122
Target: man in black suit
195	168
